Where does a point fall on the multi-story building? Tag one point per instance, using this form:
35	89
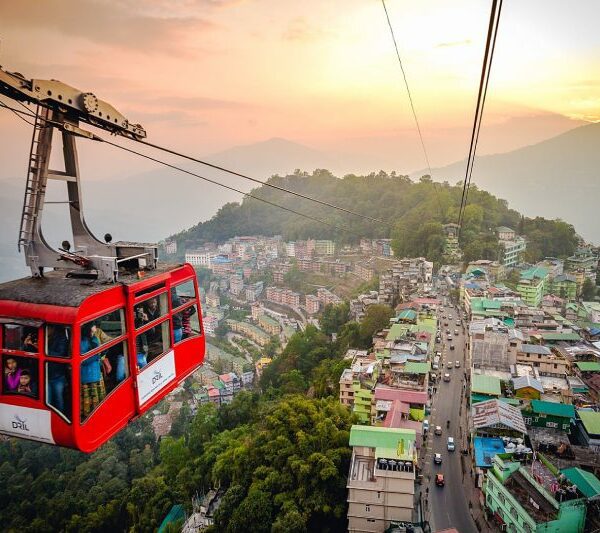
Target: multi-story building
404	278
210	324
257	310
493	345
270	325
562	285
549	415
583	261
201	257
324	247
545	361
520	504
255	334
326	297
283	296
278	276
236	284
531	286
312	304
253	291
512	246
213	299
364	271
381	478
170	247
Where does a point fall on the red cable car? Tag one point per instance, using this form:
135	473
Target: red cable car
81	360
94	343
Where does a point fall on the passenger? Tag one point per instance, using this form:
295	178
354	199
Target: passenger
24	383
58	341
186	323
30	340
141	341
12	374
152	312
92	384
177	318
116	359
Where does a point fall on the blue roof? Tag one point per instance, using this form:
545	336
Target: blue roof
485	449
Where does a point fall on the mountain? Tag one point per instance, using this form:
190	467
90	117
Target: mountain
556	178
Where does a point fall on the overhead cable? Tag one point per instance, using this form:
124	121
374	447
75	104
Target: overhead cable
263	183
412	105
481	97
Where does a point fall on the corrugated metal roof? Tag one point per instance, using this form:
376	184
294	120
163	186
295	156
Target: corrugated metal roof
588	366
413	367
527	381
535	348
553	408
494	412
591	421
482	384
587	483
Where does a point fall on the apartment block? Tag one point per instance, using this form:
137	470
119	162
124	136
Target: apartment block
364	271
381	478
312	304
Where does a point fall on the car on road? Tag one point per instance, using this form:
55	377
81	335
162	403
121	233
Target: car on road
438	430
452	346
425	426
450	444
446	377
449	337
456	332
449	364
439	480
458	322
437	458
457	364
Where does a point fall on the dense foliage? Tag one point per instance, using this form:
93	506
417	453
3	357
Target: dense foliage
413	215
281	460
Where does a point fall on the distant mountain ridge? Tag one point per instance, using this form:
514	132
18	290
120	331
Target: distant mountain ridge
556	178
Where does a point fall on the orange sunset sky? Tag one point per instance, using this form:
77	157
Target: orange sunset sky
206	75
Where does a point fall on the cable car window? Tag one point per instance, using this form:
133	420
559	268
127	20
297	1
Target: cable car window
20	375
101	330
19	337
186	324
58	340
185	291
150	310
152	343
58	387
115	368
150	289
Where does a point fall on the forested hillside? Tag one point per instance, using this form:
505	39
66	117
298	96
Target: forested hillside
412	213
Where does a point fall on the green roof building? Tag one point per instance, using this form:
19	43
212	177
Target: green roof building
519	503
531	286
587	483
550	415
484	388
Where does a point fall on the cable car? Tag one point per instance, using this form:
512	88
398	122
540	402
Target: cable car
81	360
101	332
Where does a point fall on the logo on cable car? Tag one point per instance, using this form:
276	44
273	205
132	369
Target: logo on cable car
157	376
20	423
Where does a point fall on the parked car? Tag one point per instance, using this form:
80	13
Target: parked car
452	346
437	458
425	426
450	444
438	430
446	377
439	480
457	364
449	364
456	332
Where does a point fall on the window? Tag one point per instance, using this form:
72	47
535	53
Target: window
20	375
527	420
371	520
150	310
185	290
513	512
99	331
58	340
152	342
186	324
100	374
58	388
367	508
19	337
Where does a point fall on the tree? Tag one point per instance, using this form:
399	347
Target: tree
376	318
588	290
334	317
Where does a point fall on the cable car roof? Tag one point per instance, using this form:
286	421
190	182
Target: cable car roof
56	289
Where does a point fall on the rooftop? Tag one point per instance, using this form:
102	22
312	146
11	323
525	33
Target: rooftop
587	483
495	412
588	366
394	443
484	384
591	421
412	367
527	381
553	408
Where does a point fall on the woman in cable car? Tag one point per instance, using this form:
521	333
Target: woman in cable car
81	359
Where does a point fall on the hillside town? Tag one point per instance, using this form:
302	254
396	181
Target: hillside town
477	404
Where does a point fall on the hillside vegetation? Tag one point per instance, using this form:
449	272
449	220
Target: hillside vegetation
412	213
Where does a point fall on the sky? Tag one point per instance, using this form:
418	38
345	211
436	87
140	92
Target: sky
206	75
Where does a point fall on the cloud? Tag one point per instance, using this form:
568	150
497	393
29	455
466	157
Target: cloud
465	42
300	30
106	23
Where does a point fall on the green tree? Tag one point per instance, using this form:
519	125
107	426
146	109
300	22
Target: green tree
588	290
334	317
376	318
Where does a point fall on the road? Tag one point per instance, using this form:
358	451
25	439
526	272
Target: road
448	506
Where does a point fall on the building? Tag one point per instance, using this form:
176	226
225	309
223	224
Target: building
364	271
496	418
253	291
283	296
546	362
170	247
326	297
531	286
519	503
213	299
324	247
493	345
484	387
255	334
199	257
589	428
527	387
512	246
552	415
563	285
312	304
270	325
261	364
236	284
381	478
